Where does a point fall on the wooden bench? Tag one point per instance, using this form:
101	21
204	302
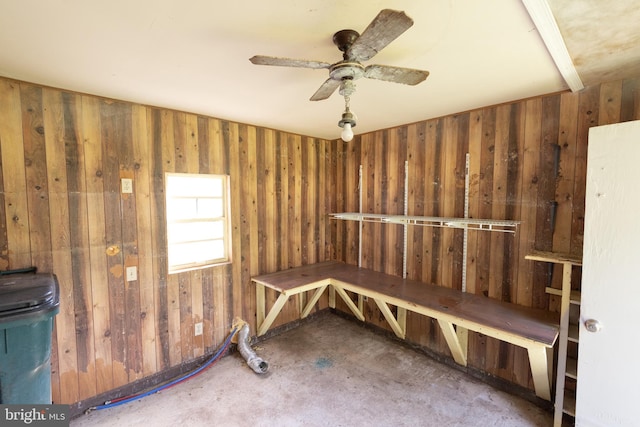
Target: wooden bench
536	330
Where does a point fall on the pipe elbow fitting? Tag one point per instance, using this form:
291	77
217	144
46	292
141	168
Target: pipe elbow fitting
256	363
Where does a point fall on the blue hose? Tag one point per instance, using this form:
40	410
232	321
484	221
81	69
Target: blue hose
214	358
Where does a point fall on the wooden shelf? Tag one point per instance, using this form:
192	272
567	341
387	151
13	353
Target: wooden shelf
555	257
574	298
504	226
565	401
574	333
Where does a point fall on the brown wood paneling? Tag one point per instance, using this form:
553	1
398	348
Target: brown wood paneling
62	157
527	163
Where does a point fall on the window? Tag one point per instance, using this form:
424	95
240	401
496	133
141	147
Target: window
198	229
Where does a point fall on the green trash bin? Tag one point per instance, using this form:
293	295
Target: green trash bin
28	303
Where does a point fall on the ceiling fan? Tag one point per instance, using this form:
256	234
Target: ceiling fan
355	48
385	28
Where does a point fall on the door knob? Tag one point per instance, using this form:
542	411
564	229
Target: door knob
592	325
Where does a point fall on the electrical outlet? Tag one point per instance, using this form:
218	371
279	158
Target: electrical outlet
198	329
127	185
132	273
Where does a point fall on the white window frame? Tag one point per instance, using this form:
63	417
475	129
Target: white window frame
189	209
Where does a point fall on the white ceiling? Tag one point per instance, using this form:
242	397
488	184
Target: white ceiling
193	55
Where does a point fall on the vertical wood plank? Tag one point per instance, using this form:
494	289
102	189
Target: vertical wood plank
449	190
169	161
462	147
235	288
112	131
142	158
92	142
529	195
18	254
78	221
475	341
129	245
415	157
294	159
158	218
567	141
37	190
587	117
60	242
36	186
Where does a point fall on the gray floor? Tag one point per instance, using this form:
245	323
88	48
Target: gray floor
327	372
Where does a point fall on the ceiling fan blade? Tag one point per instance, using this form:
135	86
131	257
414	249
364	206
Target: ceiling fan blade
287	62
326	89
406	76
384	29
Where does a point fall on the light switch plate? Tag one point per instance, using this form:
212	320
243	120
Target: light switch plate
132	273
127	185
198	329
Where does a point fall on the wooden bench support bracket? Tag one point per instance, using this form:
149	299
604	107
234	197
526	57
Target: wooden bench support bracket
540	358
345	297
397	328
273	313
312	302
458	352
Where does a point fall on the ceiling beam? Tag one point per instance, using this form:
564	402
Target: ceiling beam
542	17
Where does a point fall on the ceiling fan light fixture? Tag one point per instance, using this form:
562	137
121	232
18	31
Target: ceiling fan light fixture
347	123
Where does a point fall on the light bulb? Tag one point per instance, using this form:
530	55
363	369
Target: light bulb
347	133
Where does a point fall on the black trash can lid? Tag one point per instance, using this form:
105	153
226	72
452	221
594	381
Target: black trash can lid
28	293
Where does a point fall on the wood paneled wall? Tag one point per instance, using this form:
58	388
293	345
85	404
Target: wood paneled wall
527	163
62	156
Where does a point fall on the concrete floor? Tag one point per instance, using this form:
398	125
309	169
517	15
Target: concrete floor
329	371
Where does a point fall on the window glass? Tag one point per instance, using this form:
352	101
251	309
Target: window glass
198	218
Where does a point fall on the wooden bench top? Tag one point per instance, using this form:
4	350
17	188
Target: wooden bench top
535	324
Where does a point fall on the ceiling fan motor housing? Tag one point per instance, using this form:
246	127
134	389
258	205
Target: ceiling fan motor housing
343	70
344	39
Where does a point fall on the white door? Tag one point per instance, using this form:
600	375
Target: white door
608	391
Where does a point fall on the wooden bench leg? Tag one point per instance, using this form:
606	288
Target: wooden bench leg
540	358
350	303
402	318
273	313
457	351
463	338
260	304
312	302
332	297
393	322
